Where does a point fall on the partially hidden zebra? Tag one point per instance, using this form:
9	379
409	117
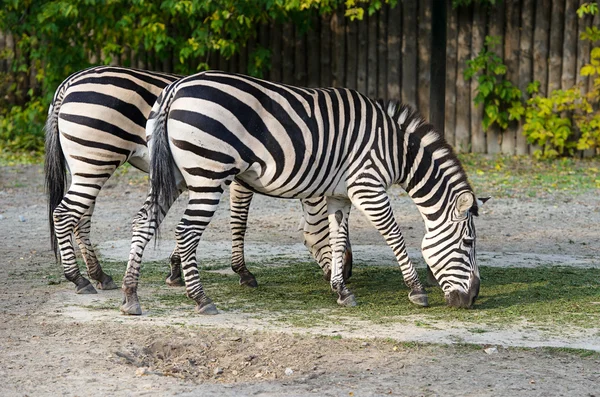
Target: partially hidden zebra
96	122
214	128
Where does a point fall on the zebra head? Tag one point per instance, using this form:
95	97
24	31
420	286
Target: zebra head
449	250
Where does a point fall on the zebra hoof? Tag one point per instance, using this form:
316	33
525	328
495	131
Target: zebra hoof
207	309
106	283
419	298
347	299
174	282
86	289
248	280
131	308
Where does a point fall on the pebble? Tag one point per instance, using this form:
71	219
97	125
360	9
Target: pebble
491	350
218	371
141	371
289	371
22	218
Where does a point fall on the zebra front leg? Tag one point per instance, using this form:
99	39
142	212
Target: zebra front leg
240	199
338	210
82	235
315	228
200	210
376	207
174	278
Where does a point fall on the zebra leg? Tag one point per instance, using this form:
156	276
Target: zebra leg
143	229
82	235
376	207
174	278
67	216
200	210
240	199
315	228
338	210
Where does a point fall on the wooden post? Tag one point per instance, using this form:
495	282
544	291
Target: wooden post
496	28
326	65
478	144
583	51
382	52
451	50
511	59
362	55
275	72
394	43
541	39
556	44
351	54
437	87
300	58
525	64
569	54
372	57
287	73
313	43
463	88
424	51
409	52
339	49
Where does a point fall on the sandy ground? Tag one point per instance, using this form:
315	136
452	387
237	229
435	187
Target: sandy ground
52	343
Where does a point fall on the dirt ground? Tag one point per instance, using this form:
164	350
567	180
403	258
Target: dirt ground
51	344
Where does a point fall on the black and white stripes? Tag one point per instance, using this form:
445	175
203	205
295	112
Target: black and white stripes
291	142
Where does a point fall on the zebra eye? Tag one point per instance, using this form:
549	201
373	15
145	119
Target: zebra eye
468	241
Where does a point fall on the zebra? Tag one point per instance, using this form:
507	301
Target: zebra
214	128
96	122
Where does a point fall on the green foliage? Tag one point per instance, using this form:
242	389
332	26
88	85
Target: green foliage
567	120
500	98
21	129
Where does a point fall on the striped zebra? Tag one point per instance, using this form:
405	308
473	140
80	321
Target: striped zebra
96	122
214	128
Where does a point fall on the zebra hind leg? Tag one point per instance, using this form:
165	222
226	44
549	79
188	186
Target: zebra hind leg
240	199
82	234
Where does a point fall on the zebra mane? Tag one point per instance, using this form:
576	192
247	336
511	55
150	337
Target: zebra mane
411	122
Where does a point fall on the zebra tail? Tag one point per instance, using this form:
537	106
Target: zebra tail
54	167
162	166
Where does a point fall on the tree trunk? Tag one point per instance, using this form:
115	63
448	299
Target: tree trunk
451	50
556	44
424	57
511	56
409	52
463	89
525	64
394	43
382	56
478	144
339	49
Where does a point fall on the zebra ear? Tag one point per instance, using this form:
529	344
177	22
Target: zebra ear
482	200
464	202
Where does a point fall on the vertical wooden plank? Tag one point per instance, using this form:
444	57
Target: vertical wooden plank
339	49
557	24
299	58
394	43
382	52
583	51
569	57
351	54
478	143
541	38
276	64
463	89
326	65
596	23
362	55
141	64
313	43
451	66
287	73
496	28
424	56
437	85
409	52
372	57
525	63
222	64
511	56
234	63
243	59
3	62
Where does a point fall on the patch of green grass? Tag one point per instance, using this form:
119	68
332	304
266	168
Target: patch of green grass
21	158
523	176
298	295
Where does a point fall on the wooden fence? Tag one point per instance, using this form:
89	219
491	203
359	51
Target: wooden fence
387	55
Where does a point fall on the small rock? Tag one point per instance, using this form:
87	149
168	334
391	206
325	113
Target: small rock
289	371
141	371
364	344
218	371
258	375
491	350
22	218
234	372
